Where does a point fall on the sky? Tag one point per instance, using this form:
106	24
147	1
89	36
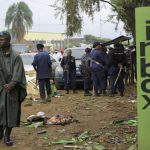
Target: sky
44	20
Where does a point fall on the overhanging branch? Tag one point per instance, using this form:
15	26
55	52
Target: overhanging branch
109	4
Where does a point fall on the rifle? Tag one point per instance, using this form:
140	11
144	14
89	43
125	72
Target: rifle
96	62
66	69
118	76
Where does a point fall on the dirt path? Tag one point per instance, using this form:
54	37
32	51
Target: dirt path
95	114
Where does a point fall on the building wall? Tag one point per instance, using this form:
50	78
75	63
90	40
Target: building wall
43	36
51	41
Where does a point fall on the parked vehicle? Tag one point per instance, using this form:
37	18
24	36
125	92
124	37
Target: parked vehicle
28	59
59	80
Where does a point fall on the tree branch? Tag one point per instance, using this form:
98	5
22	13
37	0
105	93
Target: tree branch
109	4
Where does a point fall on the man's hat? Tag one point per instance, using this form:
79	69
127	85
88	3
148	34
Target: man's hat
96	44
5	34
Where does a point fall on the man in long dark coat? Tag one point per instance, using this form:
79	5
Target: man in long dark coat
12	87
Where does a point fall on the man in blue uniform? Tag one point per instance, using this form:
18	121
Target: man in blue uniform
116	63
98	63
86	72
42	65
104	79
69	67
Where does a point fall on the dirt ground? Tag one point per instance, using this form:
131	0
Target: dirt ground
99	115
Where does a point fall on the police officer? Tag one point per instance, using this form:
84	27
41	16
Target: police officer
42	65
69	67
86	72
116	62
133	61
97	67
104	79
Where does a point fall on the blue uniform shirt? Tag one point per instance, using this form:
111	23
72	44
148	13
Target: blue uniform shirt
42	63
98	56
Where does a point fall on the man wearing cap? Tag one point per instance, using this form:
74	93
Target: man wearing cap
12	87
97	68
42	65
69	67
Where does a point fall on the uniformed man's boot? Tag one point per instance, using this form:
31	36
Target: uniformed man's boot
7	139
67	91
103	93
121	94
74	91
1	132
96	93
49	98
87	93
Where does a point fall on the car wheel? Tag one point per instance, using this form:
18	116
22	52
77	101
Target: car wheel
58	85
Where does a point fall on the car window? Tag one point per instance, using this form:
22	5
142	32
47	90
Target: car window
77	53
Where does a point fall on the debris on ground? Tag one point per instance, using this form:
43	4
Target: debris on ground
60	120
40	116
55	120
41	132
130	122
64	142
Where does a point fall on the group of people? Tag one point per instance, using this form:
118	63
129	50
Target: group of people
97	66
99	69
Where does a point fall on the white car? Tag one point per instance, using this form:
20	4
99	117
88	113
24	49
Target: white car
28	58
59	80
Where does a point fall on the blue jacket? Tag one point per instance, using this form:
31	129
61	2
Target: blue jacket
100	57
42	64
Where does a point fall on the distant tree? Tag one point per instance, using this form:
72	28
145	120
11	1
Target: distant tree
73	10
18	19
90	39
74	42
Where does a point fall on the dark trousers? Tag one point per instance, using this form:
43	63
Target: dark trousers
70	80
97	77
119	84
86	84
44	83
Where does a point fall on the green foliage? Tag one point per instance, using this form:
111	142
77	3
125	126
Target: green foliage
89	39
74	42
126	12
73	9
19	19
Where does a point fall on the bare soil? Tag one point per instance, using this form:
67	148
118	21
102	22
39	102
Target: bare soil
95	114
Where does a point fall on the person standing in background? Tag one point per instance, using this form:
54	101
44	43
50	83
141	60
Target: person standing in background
69	67
86	71
98	63
42	65
116	63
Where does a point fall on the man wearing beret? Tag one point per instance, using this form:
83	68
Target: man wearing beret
12	88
